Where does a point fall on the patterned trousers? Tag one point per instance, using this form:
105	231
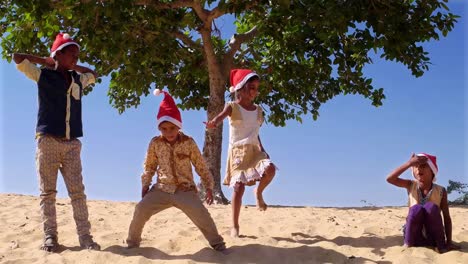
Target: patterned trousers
54	154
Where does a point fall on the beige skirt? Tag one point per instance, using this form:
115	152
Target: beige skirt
246	164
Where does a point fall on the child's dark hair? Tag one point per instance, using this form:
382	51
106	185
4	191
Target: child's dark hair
235	95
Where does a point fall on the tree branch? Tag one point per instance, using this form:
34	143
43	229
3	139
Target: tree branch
207	16
215	13
235	44
187	40
154	4
201	13
159	5
237	40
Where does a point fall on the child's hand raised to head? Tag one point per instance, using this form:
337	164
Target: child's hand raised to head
417	160
209	196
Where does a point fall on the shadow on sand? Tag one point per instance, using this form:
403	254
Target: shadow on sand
252	253
61	248
378	243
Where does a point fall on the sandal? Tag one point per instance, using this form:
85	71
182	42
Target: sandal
86	242
50	243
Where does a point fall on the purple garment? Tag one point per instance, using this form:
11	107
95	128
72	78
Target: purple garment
425	217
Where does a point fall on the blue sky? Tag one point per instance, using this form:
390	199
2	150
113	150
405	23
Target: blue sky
339	160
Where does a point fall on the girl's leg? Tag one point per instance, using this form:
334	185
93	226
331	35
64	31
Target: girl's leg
237	194
414	225
264	181
434	226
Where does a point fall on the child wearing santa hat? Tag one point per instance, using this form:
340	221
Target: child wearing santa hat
247	160
426	200
171	155
59	125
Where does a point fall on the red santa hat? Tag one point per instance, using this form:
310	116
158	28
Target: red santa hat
431	161
239	78
168	110
61	41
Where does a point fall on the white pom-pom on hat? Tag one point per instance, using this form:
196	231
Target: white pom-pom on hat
156	92
66	36
232	89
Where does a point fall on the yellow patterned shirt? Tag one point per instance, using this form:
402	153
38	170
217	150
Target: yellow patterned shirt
173	165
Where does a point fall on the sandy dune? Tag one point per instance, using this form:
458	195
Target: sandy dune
279	235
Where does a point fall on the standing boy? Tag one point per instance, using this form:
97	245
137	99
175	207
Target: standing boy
59	125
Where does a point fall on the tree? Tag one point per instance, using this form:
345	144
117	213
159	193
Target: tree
306	52
460	188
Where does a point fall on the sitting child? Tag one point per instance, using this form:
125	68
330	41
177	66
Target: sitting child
424	227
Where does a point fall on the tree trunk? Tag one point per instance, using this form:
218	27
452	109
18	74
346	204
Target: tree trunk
214	137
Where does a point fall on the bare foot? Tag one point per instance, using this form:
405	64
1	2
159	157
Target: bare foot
235	232
261	205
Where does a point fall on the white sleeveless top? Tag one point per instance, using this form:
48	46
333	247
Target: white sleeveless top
244	129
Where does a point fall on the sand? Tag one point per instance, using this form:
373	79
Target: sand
279	235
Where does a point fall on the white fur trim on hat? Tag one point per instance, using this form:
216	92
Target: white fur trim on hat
246	78
52	54
170	119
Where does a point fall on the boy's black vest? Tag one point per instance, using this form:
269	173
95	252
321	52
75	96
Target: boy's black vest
52	117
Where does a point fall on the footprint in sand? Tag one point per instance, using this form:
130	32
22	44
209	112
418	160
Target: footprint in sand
184	233
261	230
377	230
113	236
171	246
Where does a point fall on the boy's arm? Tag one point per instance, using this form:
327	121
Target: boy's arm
87	76
83	70
149	167
200	166
46	61
220	117
393	177
26	64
